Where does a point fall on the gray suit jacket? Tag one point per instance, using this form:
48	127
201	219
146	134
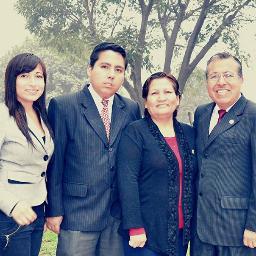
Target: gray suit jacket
22	167
82	173
227	174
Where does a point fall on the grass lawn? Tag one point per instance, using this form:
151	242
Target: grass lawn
49	244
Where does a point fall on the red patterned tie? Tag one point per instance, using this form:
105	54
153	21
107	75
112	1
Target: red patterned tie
105	116
221	113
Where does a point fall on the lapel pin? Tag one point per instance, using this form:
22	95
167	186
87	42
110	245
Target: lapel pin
231	121
193	151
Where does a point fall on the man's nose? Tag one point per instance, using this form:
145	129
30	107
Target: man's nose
221	79
111	73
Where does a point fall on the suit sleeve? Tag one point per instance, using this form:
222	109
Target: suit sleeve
251	214
128	171
55	168
195	124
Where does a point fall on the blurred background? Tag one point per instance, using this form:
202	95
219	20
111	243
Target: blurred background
172	36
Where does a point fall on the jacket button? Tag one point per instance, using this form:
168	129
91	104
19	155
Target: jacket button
42	174
200	194
46	157
110	149
202	175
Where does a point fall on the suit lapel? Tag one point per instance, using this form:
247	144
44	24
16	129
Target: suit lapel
36	134
48	145
91	113
204	123
118	116
229	120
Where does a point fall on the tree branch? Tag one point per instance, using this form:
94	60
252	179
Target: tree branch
142	5
186	68
118	18
192	40
130	90
90	15
145	11
171	39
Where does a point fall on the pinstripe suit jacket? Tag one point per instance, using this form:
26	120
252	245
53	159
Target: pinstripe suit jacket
81	176
227	174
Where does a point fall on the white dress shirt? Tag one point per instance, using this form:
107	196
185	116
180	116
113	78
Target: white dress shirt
97	99
215	115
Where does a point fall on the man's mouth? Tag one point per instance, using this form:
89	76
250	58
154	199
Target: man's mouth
222	91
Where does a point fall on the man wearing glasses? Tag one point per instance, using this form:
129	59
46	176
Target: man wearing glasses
226	152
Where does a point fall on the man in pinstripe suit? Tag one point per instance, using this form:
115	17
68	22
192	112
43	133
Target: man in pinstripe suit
226	151
82	202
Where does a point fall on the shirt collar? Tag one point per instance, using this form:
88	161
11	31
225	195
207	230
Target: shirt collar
96	97
97	100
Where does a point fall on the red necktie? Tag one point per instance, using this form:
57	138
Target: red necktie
221	113
105	116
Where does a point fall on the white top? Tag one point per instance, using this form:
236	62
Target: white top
21	162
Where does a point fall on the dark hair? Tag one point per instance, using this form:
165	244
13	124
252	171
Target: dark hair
104	47
23	63
146	85
223	56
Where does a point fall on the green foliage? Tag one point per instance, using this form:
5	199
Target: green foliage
64	73
194	94
65	25
181	31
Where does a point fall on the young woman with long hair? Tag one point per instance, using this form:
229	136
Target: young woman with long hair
26	146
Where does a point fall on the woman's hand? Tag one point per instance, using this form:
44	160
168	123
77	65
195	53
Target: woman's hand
138	240
23	214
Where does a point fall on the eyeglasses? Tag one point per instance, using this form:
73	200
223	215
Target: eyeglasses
227	76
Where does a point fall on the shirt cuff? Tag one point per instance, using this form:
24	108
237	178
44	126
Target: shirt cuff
136	231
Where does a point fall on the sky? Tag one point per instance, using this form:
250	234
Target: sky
13	33
12	27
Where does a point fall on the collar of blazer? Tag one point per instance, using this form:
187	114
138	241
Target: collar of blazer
229	120
89	110
37	136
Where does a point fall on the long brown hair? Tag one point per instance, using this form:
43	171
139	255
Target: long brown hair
24	63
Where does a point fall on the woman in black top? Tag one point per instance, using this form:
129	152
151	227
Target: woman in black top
156	168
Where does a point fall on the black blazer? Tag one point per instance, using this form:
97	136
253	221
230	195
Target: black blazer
227	180
148	182
81	176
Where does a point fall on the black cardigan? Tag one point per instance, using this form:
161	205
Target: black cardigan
148	182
